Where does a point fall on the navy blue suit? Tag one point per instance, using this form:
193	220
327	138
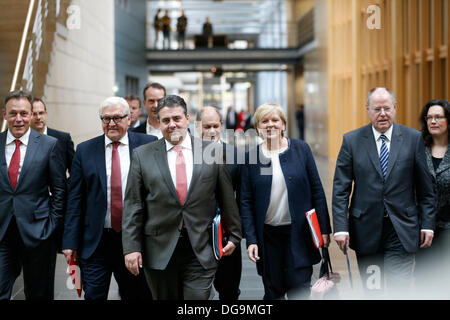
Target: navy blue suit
304	193
228	274
86	211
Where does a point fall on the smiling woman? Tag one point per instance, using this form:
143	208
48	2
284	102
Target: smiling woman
433	262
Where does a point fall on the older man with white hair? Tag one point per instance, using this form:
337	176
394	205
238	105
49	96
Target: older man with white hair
93	220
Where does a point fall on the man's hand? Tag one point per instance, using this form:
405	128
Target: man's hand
68	253
426	238
252	252
342	240
326	240
133	261
229	248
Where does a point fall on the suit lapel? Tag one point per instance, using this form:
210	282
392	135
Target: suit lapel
3	165
131	143
33	146
100	161
445	163
430	162
371	148
161	160
395	147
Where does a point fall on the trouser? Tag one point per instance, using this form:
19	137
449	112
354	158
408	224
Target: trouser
228	275
389	271
35	263
184	277
280	276
108	259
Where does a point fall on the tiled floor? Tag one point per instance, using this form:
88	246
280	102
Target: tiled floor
251	284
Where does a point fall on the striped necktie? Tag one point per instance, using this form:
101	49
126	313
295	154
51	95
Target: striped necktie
384	155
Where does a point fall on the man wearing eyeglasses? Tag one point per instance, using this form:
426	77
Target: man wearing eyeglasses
93	221
391	213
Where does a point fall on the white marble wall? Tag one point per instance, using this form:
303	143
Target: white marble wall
81	69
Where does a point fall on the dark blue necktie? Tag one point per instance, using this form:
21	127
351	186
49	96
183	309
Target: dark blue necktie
384	155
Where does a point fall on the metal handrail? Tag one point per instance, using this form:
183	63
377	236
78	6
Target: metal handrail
20	54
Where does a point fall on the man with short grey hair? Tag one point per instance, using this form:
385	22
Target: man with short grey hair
93	221
391	214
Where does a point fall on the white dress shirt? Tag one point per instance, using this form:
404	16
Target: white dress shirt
186	145
378	141
278	211
154	132
11	147
124	155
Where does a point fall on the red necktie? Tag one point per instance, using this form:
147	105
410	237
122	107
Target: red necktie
181	175
116	190
13	170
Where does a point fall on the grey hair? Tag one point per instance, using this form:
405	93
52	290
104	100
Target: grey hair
114	101
369	95
216	109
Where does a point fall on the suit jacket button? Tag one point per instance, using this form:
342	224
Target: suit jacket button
290	178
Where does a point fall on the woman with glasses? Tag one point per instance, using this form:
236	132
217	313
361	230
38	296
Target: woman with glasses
432	263
280	183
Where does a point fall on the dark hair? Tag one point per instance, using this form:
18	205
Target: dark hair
38	100
17	94
426	135
171	101
155	85
200	113
132	97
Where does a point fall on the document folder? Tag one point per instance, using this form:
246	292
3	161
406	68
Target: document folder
218	236
314	227
74	271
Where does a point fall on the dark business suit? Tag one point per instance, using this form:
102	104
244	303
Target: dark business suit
228	275
29	215
305	192
142	128
85	219
385	215
65	144
153	218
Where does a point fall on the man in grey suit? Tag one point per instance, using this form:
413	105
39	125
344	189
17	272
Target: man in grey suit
32	196
170	202
392	212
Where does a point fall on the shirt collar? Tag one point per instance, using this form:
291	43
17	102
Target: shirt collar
123	140
24	138
388	133
45	130
186	143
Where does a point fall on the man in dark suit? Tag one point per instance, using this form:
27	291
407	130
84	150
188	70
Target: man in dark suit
65	144
170	203
39	123
92	225
30	166
153	92
228	275
392	209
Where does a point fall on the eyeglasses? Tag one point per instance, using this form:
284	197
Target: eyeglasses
437	118
378	109
116	119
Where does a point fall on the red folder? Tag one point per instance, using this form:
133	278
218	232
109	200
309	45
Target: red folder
314	227
74	271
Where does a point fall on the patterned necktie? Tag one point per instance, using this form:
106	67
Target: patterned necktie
116	189
13	170
181	175
384	155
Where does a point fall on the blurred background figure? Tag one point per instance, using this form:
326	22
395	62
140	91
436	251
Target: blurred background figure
165	26
432	263
300	121
231	119
157	27
242	117
181	30
276	192
135	110
208	31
